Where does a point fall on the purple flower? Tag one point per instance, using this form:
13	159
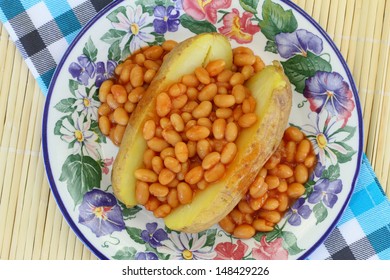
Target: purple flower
299	210
298	42
146	256
100	212
326	191
329	91
167	19
83	71
317	172
152	235
103	73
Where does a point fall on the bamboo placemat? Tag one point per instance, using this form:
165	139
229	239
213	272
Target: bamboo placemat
31	225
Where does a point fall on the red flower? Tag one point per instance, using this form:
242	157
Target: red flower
230	251
205	9
270	251
239	28
107	162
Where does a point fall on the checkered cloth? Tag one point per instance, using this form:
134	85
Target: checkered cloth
43	29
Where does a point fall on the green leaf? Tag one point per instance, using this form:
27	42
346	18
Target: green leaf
250	5
211	233
135	234
196	26
113	15
320	212
73	86
309	187
290	243
90	50
158	39
272	235
127	253
149	248
276	20
298	68
95	128
82	174
129	213
66	105
332	173
126	50
348	129
114	52
271	47
343	158
113	35
58	125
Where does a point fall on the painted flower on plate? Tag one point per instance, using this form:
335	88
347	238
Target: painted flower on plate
83	70
187	246
230	251
76	131
85	102
136	26
298	211
326	134
104	71
239	28
166	19
146	256
269	250
326	191
100	212
329	91
298	42
106	164
153	235
205	9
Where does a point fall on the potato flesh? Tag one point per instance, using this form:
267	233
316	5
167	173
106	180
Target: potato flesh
184	59
255	145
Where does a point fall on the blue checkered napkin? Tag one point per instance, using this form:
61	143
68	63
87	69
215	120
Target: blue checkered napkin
363	231
43	29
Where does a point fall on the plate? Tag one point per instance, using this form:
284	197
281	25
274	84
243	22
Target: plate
78	158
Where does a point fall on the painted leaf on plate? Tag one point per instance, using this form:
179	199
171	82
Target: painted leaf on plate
320	212
196	26
250	5
290	243
127	253
90	50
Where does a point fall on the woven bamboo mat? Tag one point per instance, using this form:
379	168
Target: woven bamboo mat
31	225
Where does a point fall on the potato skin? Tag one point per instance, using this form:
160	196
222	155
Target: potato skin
254	151
183	59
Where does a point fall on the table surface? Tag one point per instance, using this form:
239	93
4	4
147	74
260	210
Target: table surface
31	225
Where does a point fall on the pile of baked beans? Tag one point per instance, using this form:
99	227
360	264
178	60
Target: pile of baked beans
191	138
278	185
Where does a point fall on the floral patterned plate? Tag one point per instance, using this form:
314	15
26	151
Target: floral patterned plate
79	158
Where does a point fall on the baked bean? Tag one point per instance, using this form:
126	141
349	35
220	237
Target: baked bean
172	164
149	75
237	112
237	216
293	133
291	148
141	192
152	203
258	65
186	117
215	173
157	164
118	133
257	203
239	93
284	171
184	193
180	101
190	106
177	89
244	231
203	148
104	109
227	224
263	172
105	89
171	136
154	52
197	133
157	144
301	173
262	225
211	160
272	182
202	110
137	76
270	216
192	148
310	161
242	49
246	106
135	94
121	116
258	188
148	156
283	202
247	120
237	79
104	125
303	150
242	59
202	75
247	71
282	186
177	122
139	59
162	211
219	127
125	75
112	102
231	132
165	123
271	204
224	101
244	207
168	45
228	153
208	92
225	75
163	104
129	106
158	190
172	198
145	175
150	64
181	151
190	80
224	113
149	129
194	175
202	184
295	190
205	122
173	183
273	161
215	67
166	176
